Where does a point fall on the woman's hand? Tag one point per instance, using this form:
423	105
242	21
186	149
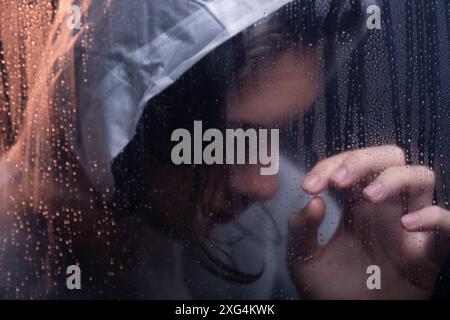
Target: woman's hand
388	220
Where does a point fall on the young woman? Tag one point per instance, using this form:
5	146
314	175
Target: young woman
163	224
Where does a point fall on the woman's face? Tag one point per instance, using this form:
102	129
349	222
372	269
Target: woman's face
279	90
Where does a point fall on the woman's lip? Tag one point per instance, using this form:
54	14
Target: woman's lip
238	205
225	216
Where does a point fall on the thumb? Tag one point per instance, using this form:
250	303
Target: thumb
303	231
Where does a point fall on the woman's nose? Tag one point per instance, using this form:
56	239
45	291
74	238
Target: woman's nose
247	179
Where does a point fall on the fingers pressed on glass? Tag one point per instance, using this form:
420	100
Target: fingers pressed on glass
359	164
415	180
427	219
348	168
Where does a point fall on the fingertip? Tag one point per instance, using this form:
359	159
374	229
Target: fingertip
312	184
373	193
368	197
316	207
412	222
317	202
341	177
405	226
313	212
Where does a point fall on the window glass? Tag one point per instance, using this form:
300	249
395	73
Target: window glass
266	149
